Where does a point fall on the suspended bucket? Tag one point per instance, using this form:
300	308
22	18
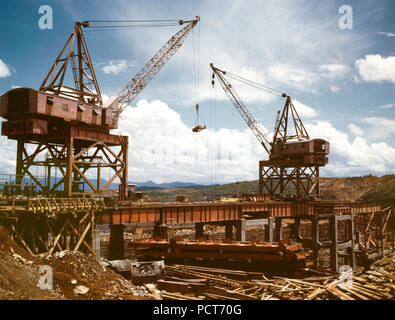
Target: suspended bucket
198	127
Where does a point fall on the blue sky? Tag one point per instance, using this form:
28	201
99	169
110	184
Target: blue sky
342	81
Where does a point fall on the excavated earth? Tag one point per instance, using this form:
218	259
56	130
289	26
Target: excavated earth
76	276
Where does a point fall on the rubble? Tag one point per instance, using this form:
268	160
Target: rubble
76	275
191	283
80	290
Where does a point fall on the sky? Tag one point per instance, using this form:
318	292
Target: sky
342	81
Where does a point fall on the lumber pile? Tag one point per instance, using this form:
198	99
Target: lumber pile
193	282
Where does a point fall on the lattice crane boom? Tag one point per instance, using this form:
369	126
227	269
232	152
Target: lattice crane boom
152	67
242	109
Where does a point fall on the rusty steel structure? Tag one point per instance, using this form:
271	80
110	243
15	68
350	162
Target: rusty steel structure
45	225
213	212
294	159
67	129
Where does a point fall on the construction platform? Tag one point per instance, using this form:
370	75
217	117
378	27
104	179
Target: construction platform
52	224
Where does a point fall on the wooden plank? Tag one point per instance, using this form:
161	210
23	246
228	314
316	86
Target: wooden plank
311	284
386	273
367	292
336	292
231	294
217	296
353	292
21	240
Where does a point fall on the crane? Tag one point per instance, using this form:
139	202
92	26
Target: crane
70	124
293	156
278	147
129	93
86	86
253	124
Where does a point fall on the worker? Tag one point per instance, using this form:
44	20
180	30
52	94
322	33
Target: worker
12	189
6	189
26	191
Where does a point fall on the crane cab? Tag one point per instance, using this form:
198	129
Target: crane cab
313	151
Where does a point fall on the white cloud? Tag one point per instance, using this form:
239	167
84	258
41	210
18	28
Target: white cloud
375	68
387	34
333	70
15	87
352	157
303	110
355	130
386	106
285	73
380	128
117	66
163	148
4	70
335	89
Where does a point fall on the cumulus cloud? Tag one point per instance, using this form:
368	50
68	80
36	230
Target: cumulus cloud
380	128
303	110
4	70
118	66
352	157
333	70
164	148
7	155
355	130
375	68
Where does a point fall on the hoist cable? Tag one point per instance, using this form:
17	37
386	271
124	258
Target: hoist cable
255	84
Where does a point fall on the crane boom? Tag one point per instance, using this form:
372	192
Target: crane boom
242	109
152	67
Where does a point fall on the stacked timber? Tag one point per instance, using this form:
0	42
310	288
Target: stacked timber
185	282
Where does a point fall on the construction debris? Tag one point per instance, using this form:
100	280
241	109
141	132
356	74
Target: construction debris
191	282
76	275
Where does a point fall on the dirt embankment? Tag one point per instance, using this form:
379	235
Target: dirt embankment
75	276
369	188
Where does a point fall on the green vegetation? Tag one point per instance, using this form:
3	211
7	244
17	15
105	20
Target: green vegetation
369	188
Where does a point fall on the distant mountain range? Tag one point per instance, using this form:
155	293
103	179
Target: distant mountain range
140	186
150	185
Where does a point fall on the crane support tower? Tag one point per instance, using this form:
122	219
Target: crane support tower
67	129
293	167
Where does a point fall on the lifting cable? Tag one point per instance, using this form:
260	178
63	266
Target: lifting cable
101	25
199	123
255	84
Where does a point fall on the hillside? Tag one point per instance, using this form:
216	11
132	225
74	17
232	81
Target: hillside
369	188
